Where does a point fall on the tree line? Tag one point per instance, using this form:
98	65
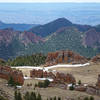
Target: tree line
32	60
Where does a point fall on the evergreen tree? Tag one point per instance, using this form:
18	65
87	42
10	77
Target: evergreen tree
79	82
33	96
86	98
91	98
19	96
71	87
11	81
55	98
27	96
59	98
39	97
16	95
50	98
46	83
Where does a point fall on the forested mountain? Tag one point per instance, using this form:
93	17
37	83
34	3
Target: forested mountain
47	29
59	34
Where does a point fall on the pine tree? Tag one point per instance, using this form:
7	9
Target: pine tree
11	81
79	82
50	98
33	96
15	95
91	98
55	98
86	98
19	96
59	98
39	97
27	96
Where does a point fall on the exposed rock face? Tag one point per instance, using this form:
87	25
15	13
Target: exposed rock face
96	59
41	74
6	72
68	78
54	58
92	38
58	77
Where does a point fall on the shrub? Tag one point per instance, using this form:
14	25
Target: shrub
71	87
44	84
86	98
79	82
91	98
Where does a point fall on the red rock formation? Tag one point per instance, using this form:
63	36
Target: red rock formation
64	57
58	78
68	78
96	59
6	72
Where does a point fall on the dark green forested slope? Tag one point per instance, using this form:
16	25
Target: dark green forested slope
33	60
68	38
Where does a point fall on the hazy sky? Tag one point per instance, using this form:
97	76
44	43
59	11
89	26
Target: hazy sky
49	0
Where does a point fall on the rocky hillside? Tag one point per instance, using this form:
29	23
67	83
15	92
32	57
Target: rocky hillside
47	29
66	57
92	38
12	43
60	34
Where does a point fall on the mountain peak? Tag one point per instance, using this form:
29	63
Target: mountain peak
63	19
47	29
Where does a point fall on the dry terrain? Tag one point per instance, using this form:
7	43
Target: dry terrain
87	74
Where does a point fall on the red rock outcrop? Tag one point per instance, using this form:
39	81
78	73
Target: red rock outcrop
40	74
6	72
96	59
68	78
58	77
68	56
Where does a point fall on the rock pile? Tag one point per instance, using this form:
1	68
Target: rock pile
7	72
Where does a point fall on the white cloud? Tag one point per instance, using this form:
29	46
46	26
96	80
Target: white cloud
49	0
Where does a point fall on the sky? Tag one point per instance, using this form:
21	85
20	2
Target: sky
49	0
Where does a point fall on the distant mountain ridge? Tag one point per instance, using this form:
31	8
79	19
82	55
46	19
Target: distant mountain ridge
12	42
17	27
60	34
47	29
